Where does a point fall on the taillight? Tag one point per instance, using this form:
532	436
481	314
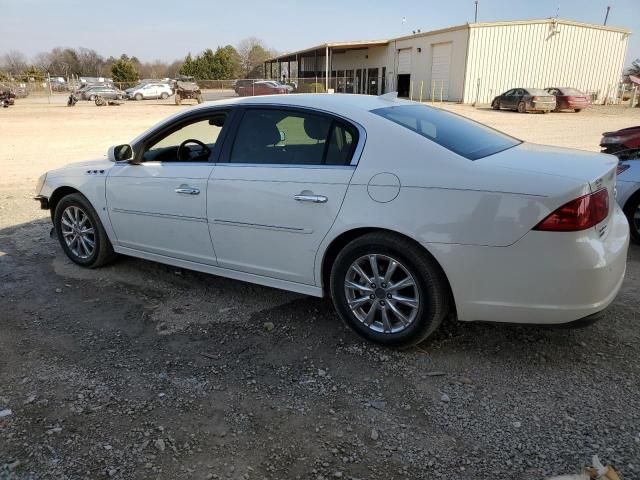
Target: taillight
535	99
621	168
579	214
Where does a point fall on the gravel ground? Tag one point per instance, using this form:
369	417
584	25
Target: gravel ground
140	370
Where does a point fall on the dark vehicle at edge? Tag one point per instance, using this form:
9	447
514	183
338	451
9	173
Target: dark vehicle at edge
624	139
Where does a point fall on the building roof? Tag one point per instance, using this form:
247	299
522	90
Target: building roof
360	44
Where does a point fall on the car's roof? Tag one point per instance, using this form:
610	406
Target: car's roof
341	103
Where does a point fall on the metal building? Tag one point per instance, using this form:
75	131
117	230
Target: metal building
469	63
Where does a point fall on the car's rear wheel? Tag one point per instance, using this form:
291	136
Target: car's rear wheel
632	211
81	233
389	290
522	108
164	95
92	98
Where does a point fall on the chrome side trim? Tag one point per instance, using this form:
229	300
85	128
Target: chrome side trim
232	223
161	215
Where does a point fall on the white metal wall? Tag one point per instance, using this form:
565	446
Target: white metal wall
542	54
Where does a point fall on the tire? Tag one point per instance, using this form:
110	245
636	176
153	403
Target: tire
577	110
164	95
199	98
138	96
631	209
92	98
102	252
178	99
429	290
496	105
522	108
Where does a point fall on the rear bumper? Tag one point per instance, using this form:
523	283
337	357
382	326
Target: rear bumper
544	278
541	106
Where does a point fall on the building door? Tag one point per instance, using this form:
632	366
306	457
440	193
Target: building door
440	68
404	61
373	82
404	83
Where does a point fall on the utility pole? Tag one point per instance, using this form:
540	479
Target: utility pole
606	17
476	14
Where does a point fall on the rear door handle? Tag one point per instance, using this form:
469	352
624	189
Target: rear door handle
304	197
185	190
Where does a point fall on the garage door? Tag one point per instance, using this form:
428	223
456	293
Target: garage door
404	60
440	67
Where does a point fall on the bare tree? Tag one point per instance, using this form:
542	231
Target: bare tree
14	62
253	53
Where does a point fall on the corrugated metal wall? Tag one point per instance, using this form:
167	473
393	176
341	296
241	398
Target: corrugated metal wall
540	55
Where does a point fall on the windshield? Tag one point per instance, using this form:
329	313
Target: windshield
465	137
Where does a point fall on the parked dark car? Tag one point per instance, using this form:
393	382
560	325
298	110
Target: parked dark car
245	82
568	98
7	97
525	100
80	91
267	87
625	139
109	93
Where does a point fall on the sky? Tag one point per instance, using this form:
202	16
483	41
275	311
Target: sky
168	29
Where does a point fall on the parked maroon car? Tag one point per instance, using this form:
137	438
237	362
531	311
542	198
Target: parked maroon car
625	139
266	87
568	98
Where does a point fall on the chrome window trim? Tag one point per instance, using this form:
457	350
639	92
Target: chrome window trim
362	133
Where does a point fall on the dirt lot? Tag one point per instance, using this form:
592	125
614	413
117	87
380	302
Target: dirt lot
140	370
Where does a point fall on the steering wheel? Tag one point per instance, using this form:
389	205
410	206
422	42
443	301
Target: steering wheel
184	154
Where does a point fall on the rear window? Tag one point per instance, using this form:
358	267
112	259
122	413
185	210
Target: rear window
465	137
571	91
537	91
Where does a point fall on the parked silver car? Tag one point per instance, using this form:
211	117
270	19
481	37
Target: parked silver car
628	188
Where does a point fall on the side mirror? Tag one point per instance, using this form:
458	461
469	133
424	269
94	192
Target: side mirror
120	153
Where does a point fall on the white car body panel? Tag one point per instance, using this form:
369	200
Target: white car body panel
474	217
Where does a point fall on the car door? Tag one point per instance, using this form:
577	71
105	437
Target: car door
158	204
278	189
506	100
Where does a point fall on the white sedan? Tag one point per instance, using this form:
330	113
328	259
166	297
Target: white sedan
150	91
402	213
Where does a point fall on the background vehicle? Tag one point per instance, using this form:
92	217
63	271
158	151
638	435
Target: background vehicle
109	93
7	98
150	91
186	88
624	139
317	194
568	98
525	100
245	82
628	188
266	87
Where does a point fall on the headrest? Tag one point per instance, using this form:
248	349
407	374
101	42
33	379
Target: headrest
316	127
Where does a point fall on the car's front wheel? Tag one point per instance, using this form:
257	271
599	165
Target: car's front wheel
389	290
138	97
81	233
164	95
496	105
522	108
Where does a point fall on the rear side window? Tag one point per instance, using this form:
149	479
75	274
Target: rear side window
291	137
465	137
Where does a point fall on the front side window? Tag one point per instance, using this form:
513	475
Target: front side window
190	142
287	137
465	137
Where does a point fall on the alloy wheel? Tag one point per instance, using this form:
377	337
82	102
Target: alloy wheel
381	293
78	232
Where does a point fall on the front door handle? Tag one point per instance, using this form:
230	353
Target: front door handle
186	190
310	197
